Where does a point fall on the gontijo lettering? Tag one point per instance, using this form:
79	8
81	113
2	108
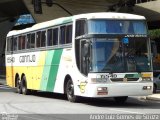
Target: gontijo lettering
27	58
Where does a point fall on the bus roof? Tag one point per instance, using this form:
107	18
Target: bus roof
109	15
63	20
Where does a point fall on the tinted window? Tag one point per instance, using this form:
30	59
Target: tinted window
8	44
43	38
38	39
28	41
80	27
23	42
49	38
62	35
69	34
15	46
32	40
20	39
117	27
55	36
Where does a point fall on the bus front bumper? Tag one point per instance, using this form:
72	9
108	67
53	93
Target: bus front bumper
118	89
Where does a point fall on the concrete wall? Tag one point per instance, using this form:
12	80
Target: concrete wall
151	10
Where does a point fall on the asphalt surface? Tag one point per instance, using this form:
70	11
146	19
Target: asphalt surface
51	103
49	106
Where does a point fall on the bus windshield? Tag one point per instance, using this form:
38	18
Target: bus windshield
119	55
102	26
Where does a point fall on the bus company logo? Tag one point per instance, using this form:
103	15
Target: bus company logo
82	86
107	76
27	58
102	76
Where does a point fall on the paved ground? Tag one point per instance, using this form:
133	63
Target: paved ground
49	103
49	106
155	96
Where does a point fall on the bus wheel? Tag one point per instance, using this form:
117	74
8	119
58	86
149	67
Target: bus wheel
19	87
25	91
120	100
70	91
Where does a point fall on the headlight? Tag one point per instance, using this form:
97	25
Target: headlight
146	79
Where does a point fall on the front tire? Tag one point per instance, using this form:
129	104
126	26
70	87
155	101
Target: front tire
121	100
70	91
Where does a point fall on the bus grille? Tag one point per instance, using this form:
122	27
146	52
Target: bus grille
122	79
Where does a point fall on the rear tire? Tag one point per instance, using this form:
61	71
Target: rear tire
25	91
70	91
121	100
18	85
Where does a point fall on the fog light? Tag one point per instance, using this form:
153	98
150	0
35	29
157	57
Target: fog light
147	87
146	79
102	91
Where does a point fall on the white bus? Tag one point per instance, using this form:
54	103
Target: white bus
89	55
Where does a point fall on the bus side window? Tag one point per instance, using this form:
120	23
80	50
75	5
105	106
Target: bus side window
8	44
80	27
28	41
8	48
55	36
19	42
32	40
62	35
69	34
15	44
23	42
43	38
38	39
49	37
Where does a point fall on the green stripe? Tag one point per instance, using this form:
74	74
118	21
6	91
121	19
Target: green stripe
54	69
67	20
46	69
132	76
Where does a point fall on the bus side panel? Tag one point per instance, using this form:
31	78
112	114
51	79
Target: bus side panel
9	76
65	68
29	64
9	60
37	72
50	69
29	73
68	66
46	70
